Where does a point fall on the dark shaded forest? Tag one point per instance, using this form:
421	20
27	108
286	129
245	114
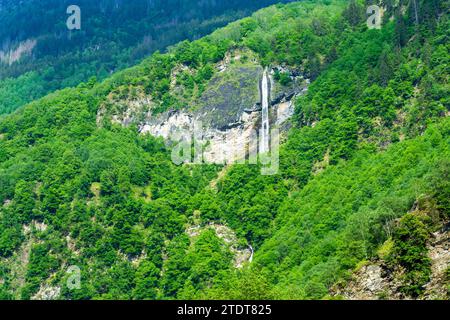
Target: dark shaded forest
115	34
369	142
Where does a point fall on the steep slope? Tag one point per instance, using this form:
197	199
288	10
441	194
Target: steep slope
381	280
38	54
83	187
341	218
227	107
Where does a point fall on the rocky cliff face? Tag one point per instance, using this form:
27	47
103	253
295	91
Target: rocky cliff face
375	280
10	55
228	113
242	255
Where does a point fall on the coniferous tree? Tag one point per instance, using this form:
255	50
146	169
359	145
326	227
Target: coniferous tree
401	32
354	13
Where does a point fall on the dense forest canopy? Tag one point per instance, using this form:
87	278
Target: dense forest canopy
114	34
365	166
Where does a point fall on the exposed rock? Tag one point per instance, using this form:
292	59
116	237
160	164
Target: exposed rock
279	98
375	281
320	166
285	111
14	55
47	293
72	245
439	252
224	142
371	282
241	255
232	56
222	173
36	225
40	226
228	113
18	264
132	108
256	108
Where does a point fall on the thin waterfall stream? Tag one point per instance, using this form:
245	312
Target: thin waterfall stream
264	135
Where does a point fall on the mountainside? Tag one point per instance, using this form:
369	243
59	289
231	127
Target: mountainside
39	54
88	182
381	279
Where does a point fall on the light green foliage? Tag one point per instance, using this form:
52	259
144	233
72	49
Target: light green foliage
410	252
113	36
367	139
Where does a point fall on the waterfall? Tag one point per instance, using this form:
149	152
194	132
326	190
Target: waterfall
264	135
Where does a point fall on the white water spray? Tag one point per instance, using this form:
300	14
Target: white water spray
265	132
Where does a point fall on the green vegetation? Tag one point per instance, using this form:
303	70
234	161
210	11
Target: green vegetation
369	140
340	218
114	35
410	252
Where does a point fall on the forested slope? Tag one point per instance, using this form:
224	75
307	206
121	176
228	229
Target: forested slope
365	166
38	54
